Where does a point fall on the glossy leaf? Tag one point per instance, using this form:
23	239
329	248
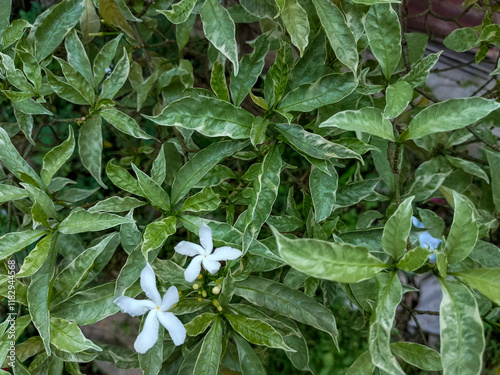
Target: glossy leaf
123	179
90	147
156	233
249	361
323	191
397	230
11	193
111	13
124	123
36	257
209	116
449	115
461	328
420	71
494	163
413	259
55	158
116	79
205	200
200	323
13	242
486	280
398	95
208	360
296	23
418	355
180	11
77	57
66	336
80	221
117	204
152	191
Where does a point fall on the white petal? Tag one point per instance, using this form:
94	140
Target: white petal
206	238
171	297
149	335
225	253
174	327
148	284
194	269
134	307
188	248
211	265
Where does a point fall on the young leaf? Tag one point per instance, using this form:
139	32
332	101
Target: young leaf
397	229
122	179
368	120
124	123
205	200
218	81
180	11
413	259
154	192
289	302
398	95
159	168
381	321
55	158
420	72
220	30
209	116
449	115
156	233
208	360
80	221
461	40
384	35
296	23
464	230
200	323
194	170
265	191
90	147
328	89
462	333
338	33
335	261
57	23
257	332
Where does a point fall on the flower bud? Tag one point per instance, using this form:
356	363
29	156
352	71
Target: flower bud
200	276
215	290
196	286
204	293
200	299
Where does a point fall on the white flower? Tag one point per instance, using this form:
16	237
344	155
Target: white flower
426	240
158	313
203	254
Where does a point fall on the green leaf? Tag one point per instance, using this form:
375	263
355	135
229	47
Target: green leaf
265	191
66	336
80	221
461	40
30	107
205	200
313	144
413	259
384	35
124	123
209	116
258	131
420	72
249	361
55	158
340	36
371	2
113	14
449	115
71	278
159	168
194	170
104	59
13	242
15	163
323	189
368	119
464	230
122	179
494	163
381	321
257	332
468	167
5	7
77	57
328	89
486	280
260	8
335	261
200	323
117	204
296	23
152	191
208	360
25	122
90	22
398	95
156	234
362	365
90	147
57	23
116	79
91	305
11	193
65	90
130	272
36	257
289	302
277	77
462	333
418	355
38	295
251	66
218	81
397	230
220	30
180	11
14	32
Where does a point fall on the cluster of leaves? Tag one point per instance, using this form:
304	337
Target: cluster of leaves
344	128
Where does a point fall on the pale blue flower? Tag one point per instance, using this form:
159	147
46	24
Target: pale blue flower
426	240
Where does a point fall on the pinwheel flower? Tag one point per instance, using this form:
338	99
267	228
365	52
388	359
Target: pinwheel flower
425	239
158	313
203	254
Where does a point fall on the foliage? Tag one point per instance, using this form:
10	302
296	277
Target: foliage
298	133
